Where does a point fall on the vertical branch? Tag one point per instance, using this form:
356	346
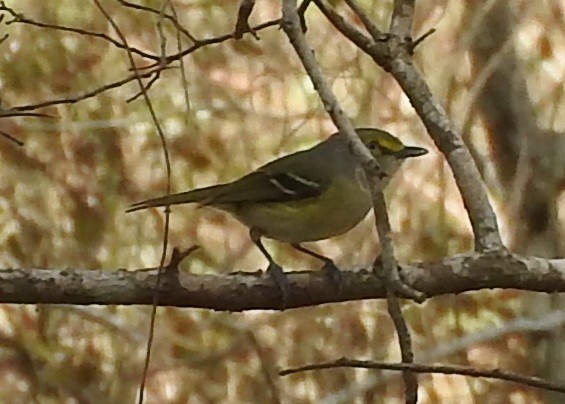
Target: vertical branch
393	285
167	211
402	18
291	24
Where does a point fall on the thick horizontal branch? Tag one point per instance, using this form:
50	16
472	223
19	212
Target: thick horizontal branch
255	290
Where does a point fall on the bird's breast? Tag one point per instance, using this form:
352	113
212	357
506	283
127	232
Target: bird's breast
336	211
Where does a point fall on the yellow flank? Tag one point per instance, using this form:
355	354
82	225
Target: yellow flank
309	219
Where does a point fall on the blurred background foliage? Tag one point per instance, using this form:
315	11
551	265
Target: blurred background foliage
497	66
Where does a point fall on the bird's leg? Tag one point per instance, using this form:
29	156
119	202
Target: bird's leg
274	270
330	268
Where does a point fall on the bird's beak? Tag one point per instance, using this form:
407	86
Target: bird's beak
411	151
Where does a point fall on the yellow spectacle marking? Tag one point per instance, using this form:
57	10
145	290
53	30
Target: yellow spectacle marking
391	143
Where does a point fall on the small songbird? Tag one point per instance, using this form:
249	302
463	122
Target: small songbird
305	196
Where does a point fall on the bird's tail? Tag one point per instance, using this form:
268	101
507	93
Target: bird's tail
201	196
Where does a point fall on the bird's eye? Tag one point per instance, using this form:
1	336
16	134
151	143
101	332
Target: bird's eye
373	144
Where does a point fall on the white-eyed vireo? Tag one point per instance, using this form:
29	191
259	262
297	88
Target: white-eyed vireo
305	196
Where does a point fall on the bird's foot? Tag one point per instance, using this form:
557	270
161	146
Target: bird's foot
395	282
281	281
334	274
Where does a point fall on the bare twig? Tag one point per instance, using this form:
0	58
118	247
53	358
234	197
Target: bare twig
172	18
290	24
8	113
531	381
552	321
395	285
152	69
168	192
242	23
372	28
20	19
184	78
223	38
11	138
405	342
416	42
17	110
152	80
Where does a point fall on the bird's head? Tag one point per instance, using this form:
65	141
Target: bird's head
387	149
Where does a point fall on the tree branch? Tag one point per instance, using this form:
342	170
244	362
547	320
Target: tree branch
393	55
242	291
531	381
375	175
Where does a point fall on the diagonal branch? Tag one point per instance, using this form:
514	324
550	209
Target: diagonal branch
393	56
371	28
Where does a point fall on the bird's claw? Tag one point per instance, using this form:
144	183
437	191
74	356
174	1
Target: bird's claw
334	274
281	281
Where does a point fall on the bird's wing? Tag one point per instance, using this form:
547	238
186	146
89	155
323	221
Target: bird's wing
263	187
260	186
297	176
279	181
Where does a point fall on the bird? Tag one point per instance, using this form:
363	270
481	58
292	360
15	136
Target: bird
305	196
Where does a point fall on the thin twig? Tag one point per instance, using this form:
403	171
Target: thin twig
11	138
372	28
17	111
184	78
531	381
20	19
222	38
405	343
168	192
154	68
173	18
290	24
7	113
3	39
395	285
416	42
147	86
